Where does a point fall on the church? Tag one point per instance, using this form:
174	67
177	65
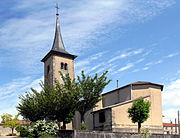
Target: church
111	112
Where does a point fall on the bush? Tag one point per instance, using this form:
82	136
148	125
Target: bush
39	128
42	128
83	127
145	133
24	131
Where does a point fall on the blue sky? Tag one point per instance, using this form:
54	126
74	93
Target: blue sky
134	40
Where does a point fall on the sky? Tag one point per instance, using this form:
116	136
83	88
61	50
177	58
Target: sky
135	40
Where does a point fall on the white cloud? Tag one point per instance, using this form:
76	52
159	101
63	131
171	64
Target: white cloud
145	68
159	61
128	66
136	70
29	37
170	115
171	94
172	55
10	92
148	64
126	54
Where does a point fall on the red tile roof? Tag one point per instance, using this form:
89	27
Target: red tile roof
170	125
21	121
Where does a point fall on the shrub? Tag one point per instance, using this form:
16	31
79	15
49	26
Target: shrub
37	129
24	131
83	127
42	128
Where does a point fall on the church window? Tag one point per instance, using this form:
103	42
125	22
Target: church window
66	66
62	65
48	69
102	118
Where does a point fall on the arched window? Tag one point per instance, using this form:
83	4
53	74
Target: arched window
62	65
66	66
48	69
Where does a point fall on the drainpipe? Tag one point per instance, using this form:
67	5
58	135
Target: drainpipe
178	124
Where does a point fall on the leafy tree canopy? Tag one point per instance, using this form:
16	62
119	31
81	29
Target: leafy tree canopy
90	90
60	102
57	104
139	112
10	122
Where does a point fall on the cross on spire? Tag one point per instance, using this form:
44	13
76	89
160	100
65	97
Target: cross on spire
57	9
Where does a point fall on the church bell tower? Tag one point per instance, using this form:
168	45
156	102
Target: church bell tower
58	59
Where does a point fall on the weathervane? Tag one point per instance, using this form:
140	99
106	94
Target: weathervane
57	9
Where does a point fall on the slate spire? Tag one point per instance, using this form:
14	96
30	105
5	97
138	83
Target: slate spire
58	43
58	48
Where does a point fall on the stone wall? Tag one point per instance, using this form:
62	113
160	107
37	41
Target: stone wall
104	134
5	131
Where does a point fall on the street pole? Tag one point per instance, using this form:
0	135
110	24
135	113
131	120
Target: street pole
178	124
175	127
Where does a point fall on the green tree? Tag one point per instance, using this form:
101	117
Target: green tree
10	122
57	104
6	117
90	90
139	112
31	106
63	102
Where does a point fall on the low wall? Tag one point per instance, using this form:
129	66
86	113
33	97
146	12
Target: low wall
103	134
5	131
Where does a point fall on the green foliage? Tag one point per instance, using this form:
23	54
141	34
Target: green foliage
37	129
24	131
60	103
145	133
6	117
31	106
90	90
10	122
139	112
66	99
57	104
84	127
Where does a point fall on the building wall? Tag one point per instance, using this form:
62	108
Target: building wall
48	77
57	67
88	117
5	131
171	130
156	100
117	96
107	125
122	123
54	63
98	106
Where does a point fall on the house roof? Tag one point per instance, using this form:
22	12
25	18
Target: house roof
170	125
20	121
135	84
122	103
58	45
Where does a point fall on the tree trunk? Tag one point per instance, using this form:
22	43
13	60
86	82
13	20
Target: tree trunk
82	120
139	127
12	130
64	125
59	124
